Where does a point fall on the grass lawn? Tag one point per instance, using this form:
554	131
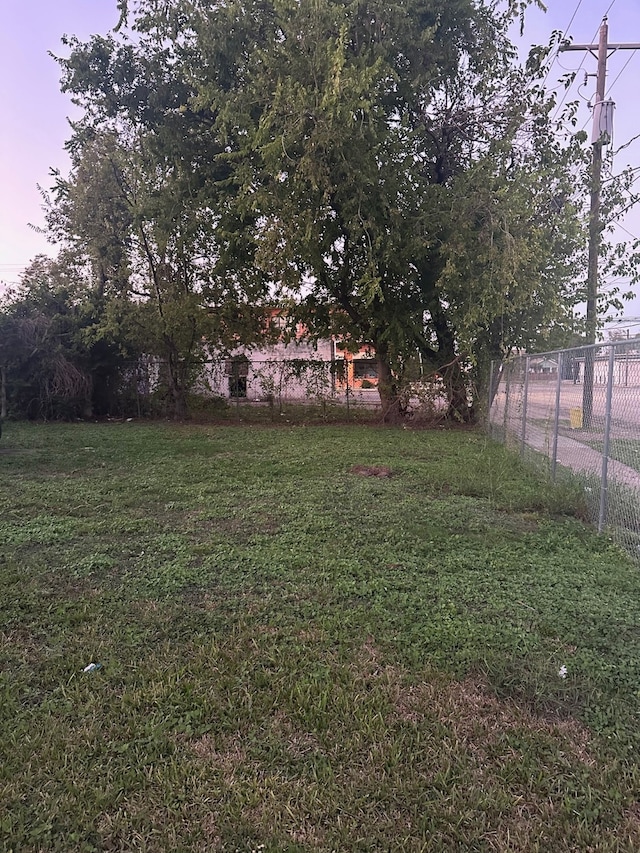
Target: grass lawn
298	657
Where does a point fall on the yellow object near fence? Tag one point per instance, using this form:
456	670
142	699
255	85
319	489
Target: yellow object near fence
575	416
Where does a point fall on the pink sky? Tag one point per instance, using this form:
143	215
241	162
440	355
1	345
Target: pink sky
34	126
34	113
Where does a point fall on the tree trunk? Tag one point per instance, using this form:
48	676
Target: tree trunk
392	408
456	383
3	392
176	389
489	357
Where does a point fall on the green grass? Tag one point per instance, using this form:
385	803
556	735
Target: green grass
299	658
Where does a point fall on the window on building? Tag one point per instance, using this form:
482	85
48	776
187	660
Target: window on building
237	386
279	322
365	369
237	366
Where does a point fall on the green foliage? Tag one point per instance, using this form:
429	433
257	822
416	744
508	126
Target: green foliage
386	171
60	359
156	242
406	172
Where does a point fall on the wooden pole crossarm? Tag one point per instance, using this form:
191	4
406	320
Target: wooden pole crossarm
594	47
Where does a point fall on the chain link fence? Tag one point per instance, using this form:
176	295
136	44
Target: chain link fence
142	387
147	388
279	381
578	411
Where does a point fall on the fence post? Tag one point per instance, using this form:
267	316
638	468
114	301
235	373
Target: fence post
556	420
507	400
3	392
236	389
525	393
604	488
346	379
490	396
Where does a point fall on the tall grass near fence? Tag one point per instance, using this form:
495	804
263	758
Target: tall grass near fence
577	411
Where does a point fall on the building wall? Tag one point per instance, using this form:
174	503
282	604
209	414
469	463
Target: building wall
279	371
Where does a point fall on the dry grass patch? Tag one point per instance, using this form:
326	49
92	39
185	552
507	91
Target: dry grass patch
154	827
297	742
228	761
477	717
266	799
371	470
241	528
470	706
630	827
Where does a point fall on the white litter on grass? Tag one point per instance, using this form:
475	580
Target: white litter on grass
562	672
91	667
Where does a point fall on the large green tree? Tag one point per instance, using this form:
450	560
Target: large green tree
387	169
405	171
141	206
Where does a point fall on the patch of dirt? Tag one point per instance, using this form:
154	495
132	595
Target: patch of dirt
371	471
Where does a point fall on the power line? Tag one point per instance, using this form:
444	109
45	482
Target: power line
564	32
628	188
633	202
626	231
568	89
623	70
572	17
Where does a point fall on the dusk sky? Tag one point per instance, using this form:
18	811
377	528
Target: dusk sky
34	113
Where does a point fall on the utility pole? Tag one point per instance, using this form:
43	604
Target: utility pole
599	139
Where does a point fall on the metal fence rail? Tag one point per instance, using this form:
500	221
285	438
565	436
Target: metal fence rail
578	410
